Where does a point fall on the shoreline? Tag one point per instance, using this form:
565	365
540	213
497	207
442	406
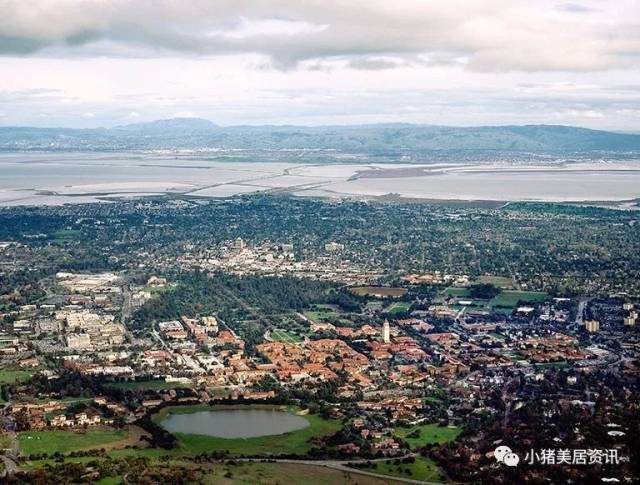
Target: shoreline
55	200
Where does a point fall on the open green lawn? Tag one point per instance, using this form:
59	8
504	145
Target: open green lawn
66	400
239	473
455	291
378	291
320	315
324	313
505	301
499	281
510	299
294	442
66	234
280	335
31	442
421	469
35	464
153	385
157	289
276	473
427	434
398	307
11	376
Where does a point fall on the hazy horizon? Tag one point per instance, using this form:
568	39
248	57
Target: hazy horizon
320	125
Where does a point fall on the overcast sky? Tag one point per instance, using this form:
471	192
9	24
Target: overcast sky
84	63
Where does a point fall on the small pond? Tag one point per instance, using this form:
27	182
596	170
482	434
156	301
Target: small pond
235	423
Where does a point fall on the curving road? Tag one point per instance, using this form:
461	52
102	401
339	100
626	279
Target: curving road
342	466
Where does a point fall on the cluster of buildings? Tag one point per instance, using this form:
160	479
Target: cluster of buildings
89	283
240	258
383	366
86	330
60	414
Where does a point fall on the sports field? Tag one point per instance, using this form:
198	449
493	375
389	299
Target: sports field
152	385
36	442
419	436
510	299
280	335
499	281
505	301
325	313
398	307
378	291
11	376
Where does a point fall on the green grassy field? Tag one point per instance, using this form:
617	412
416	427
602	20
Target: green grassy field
398	307
239	473
320	315
66	234
422	469
454	291
428	434
35	464
324	313
278	473
505	301
153	385
499	281
294	442
66	400
378	291
280	335
156	290
36	442
11	376
510	299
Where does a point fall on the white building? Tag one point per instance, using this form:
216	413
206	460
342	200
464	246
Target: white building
592	326
333	247
386	332
78	341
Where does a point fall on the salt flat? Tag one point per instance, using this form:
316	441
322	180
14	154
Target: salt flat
59	178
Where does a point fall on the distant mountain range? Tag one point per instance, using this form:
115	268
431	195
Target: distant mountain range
170	126
389	139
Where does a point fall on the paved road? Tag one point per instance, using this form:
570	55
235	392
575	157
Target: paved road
10	466
342	466
580	312
10	458
162	342
582	305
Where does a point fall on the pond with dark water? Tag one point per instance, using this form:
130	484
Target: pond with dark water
235	423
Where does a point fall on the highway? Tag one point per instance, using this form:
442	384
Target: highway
342	466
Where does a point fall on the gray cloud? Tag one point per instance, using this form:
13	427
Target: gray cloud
376	63
575	8
492	35
31	95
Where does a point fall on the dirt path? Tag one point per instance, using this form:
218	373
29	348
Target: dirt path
134	438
